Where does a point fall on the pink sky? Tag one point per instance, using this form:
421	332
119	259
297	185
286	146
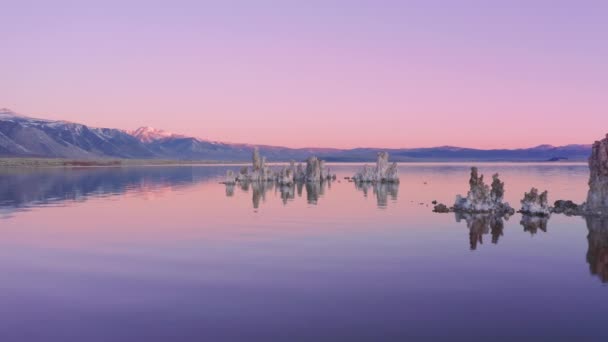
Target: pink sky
316	73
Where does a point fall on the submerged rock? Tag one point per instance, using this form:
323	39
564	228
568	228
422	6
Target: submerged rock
534	203
384	172
481	198
597	197
441	208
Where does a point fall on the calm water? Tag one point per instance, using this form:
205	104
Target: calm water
168	254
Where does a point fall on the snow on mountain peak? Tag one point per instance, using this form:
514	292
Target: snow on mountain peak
149	134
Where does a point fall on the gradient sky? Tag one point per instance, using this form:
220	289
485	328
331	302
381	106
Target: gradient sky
326	73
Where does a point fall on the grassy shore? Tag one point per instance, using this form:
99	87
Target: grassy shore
57	162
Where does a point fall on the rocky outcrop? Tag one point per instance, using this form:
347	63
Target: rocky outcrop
259	172
315	171
286	176
384	172
481	198
230	178
535	203
597	197
566	207
441	208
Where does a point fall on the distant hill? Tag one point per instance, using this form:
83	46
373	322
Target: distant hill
22	136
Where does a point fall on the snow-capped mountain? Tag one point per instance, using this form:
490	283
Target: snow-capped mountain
148	134
22	136
25	136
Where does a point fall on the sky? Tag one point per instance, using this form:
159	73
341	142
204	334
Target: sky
484	74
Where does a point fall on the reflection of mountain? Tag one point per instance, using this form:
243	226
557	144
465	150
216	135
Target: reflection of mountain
597	253
532	224
25	188
381	190
481	224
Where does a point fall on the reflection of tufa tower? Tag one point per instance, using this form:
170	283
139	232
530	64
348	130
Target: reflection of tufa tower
532	224
481	224
382	191
597	253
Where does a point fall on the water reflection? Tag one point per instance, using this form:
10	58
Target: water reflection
532	224
382	191
597	252
287	193
482	224
230	190
21	189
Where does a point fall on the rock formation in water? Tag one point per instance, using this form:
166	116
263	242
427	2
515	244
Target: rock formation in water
230	178
313	169
316	170
481	198
384	172
566	207
259	172
497	190
285	176
441	208
535	204
597	197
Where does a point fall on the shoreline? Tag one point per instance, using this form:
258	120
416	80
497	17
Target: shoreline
18	162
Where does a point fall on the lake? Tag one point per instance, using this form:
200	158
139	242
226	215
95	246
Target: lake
170	254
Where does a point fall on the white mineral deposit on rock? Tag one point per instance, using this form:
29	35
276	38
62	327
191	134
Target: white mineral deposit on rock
597	197
384	172
230	177
481	198
535	203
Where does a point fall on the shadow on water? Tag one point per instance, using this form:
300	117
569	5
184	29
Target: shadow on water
382	191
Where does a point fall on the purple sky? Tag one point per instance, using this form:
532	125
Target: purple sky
315	73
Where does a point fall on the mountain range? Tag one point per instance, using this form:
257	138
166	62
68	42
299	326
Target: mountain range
22	136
